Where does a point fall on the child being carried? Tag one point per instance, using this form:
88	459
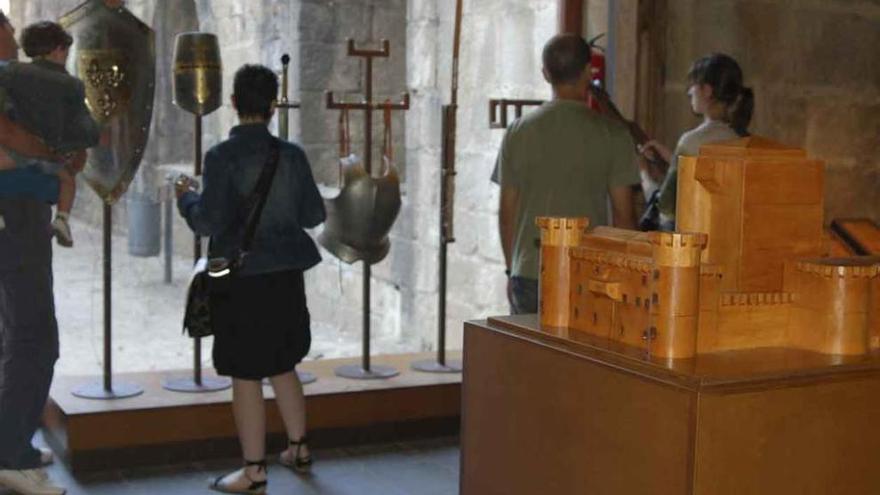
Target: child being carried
45	99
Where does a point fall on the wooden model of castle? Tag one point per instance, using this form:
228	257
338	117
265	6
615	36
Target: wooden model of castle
748	268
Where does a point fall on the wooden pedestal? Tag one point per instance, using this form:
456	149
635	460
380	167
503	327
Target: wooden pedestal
163	427
562	412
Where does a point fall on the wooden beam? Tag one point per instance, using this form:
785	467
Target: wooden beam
571	16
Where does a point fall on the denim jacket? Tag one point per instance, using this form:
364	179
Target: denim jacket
294	203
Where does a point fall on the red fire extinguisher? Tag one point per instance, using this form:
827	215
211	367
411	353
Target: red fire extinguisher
597	69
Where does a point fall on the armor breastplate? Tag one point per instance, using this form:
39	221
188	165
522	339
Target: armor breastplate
360	217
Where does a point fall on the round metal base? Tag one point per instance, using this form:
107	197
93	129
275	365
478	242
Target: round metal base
96	391
304	377
434	366
357	372
188	384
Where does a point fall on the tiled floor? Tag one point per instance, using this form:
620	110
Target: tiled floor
414	468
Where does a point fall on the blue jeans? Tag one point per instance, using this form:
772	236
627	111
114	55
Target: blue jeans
29	183
522	293
28	330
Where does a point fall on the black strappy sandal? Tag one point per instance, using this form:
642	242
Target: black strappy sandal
302	465
255	488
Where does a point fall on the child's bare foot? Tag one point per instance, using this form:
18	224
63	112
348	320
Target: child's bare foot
61	230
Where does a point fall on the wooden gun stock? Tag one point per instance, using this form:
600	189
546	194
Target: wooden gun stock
447	175
638	134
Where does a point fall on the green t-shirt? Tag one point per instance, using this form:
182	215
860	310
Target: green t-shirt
562	158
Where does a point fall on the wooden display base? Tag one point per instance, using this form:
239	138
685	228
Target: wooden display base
557	411
163	427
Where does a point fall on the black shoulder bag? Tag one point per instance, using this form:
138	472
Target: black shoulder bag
212	277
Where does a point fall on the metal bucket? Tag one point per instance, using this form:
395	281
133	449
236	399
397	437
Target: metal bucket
144	222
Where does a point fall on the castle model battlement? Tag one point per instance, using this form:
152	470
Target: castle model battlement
748	269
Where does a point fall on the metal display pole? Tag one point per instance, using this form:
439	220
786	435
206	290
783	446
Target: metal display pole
447	203
106	389
284	106
366	370
168	200
197	89
197	382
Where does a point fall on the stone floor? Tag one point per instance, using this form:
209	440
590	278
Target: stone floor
427	467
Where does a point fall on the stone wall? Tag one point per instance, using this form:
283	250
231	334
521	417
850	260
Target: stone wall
812	64
500	57
815	71
496	60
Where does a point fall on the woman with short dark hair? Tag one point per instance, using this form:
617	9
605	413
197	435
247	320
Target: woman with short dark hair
261	329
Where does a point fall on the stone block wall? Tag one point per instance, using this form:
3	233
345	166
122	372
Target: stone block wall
816	75
315	34
500	57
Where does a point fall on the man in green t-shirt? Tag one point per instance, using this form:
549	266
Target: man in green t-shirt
564	160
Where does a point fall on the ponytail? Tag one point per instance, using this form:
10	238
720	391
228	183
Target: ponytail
724	76
739	113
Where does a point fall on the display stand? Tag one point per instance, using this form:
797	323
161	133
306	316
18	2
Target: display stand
284	107
366	370
447	205
197	89
106	389
197	382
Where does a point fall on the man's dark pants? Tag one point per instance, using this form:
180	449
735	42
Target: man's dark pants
28	329
523	295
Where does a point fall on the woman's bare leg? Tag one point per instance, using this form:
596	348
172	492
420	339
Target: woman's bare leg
249	410
292	406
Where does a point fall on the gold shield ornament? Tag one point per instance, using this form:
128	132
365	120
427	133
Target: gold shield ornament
113	53
107	88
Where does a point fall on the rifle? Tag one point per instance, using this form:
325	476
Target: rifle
447	204
448	127
638	134
650	219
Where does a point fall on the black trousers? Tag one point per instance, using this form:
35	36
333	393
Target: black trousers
28	329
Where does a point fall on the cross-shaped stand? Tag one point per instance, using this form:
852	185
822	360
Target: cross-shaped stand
365	370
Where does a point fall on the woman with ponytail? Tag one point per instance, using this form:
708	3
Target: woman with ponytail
717	94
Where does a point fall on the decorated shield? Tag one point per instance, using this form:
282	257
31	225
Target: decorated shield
113	53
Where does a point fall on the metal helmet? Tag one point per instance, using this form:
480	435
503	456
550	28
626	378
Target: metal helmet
198	73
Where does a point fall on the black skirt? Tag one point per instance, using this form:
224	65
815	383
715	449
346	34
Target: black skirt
262	328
